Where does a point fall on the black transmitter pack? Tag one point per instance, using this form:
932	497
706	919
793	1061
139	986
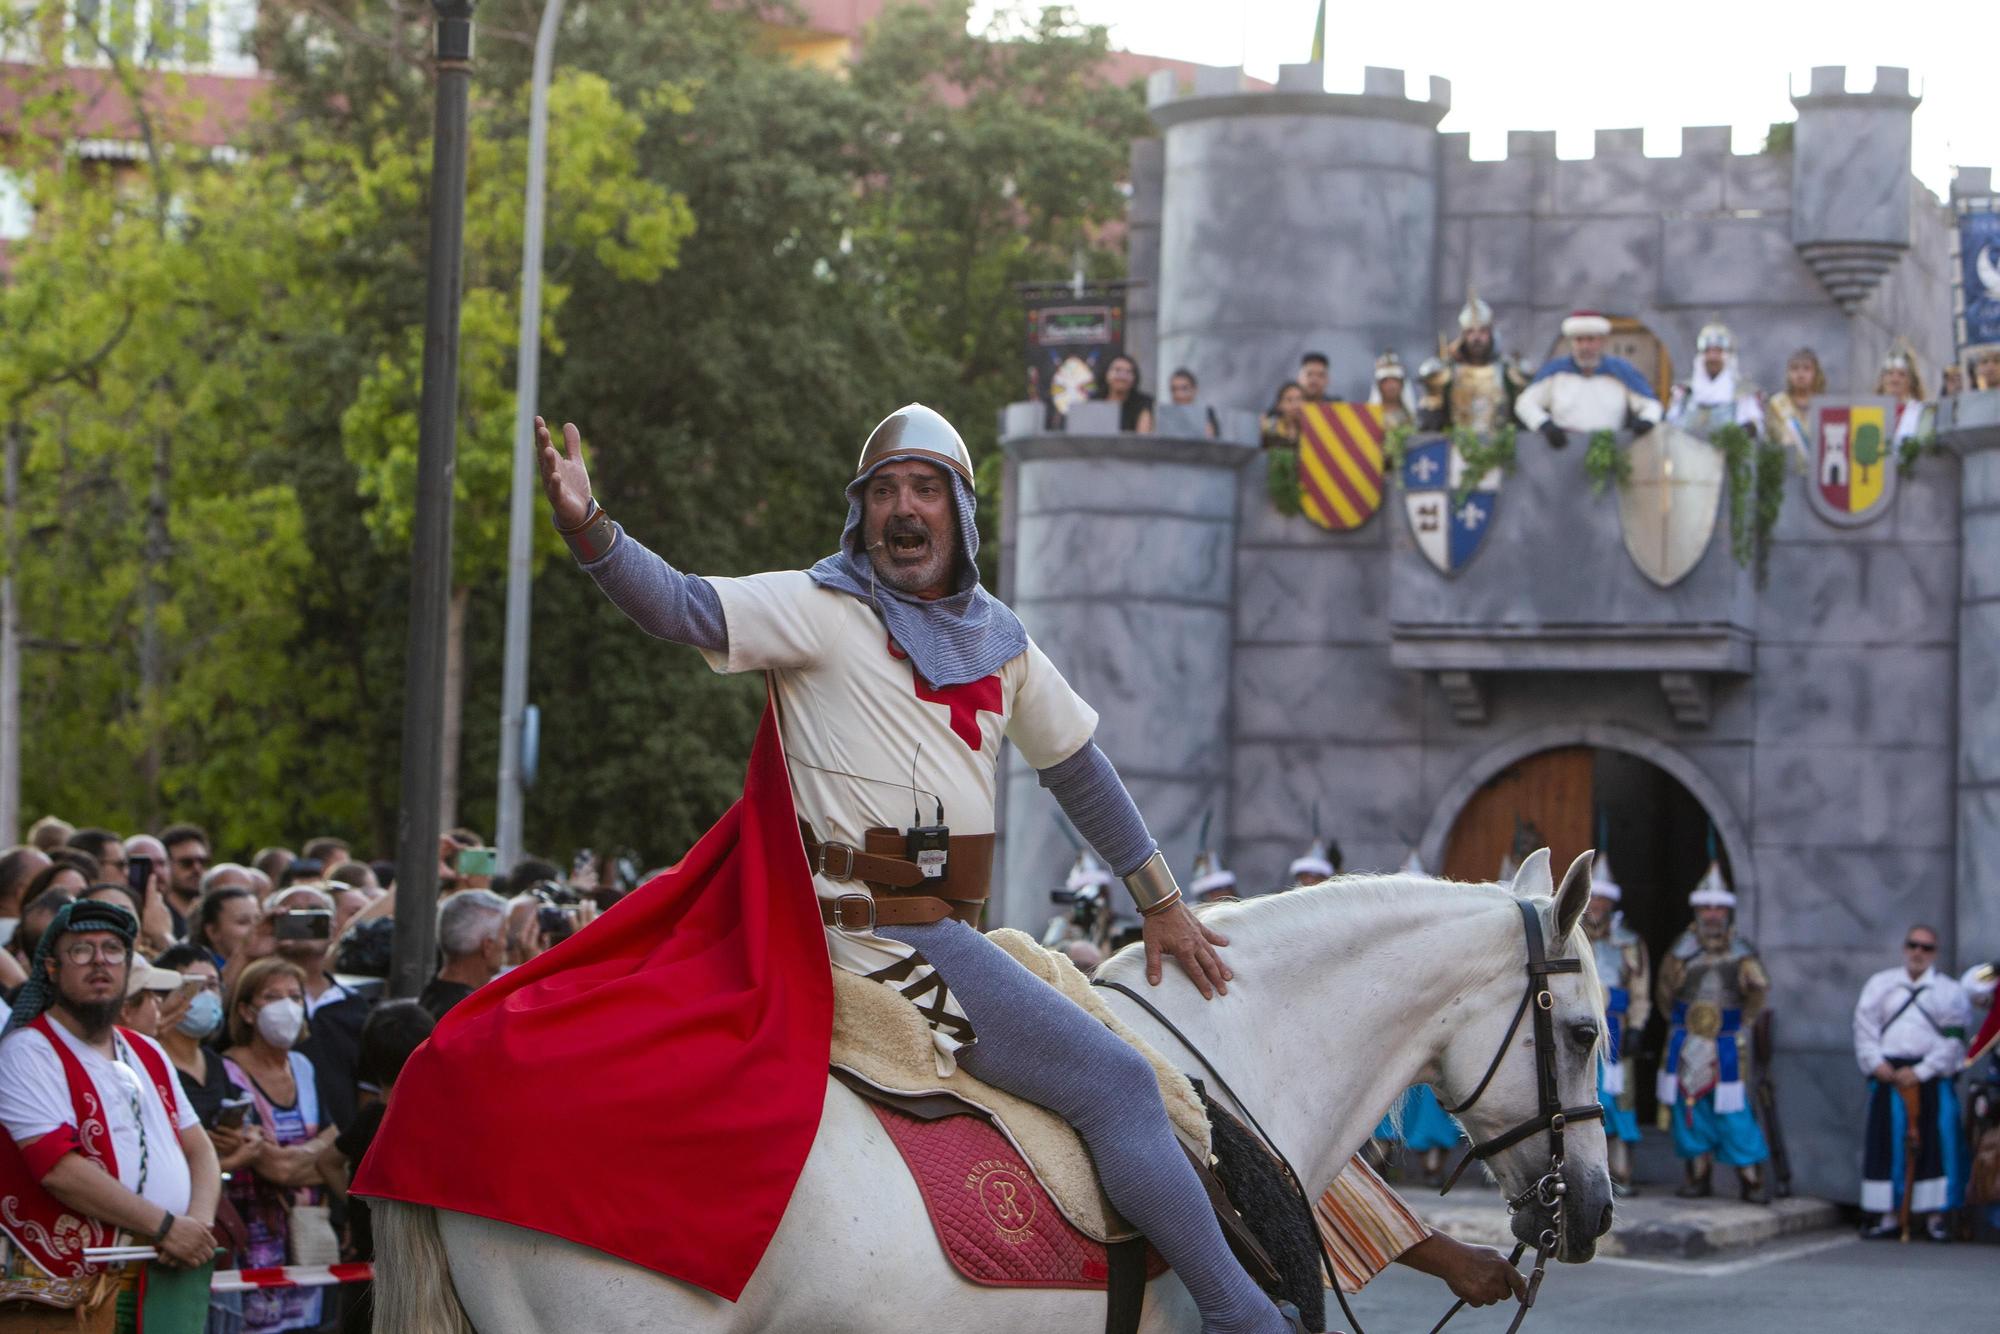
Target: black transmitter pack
929	846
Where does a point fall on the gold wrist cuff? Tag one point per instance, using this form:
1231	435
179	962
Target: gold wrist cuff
1152	885
593	538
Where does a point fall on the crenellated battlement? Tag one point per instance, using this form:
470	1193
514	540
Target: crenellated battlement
1300	90
1697	141
1828	86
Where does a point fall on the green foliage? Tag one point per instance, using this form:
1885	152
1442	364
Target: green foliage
1915	447
1396	448
1756	472
1605	462
1481	455
1778	138
1281	480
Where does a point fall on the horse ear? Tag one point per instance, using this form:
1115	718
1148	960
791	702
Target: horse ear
1532	879
1574	896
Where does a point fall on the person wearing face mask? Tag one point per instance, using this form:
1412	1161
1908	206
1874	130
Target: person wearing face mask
278	1199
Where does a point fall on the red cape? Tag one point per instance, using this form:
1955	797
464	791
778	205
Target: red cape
1989	1033
650	1087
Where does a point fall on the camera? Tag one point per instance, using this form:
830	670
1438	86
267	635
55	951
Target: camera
303	924
556	917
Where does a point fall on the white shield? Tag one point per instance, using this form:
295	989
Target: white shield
1668	506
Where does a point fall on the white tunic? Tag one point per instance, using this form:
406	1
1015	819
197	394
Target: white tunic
34	1100
860	729
1715	399
1597	402
1915	1032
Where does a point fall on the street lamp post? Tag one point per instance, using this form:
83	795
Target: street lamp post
527	380
430	558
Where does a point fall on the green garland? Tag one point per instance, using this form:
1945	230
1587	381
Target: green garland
1281	479
1396	447
1915	447
1481	454
1756	493
1606	463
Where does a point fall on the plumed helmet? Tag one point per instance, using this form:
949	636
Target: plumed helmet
1475	314
1210	875
1317	861
1389	366
1088	873
919	431
1715	334
1602	886
1713	891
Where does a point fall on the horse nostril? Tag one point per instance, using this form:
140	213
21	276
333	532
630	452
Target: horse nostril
1604	1221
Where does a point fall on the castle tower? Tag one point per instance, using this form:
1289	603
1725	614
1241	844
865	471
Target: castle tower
1851	180
1294	220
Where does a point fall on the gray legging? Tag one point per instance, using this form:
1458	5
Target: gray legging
1037	1044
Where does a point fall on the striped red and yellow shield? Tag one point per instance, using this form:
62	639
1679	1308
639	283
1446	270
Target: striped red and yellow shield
1340	464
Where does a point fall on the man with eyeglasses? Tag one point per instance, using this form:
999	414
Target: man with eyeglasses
1910	1027
99	1139
187	860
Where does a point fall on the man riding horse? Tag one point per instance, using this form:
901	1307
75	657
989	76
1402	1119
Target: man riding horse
895	676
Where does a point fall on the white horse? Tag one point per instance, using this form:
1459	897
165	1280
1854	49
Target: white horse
1345	994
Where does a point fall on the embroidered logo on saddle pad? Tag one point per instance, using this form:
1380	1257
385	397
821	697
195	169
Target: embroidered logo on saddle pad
993	1219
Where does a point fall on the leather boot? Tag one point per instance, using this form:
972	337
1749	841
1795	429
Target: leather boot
1698	1184
1750	1183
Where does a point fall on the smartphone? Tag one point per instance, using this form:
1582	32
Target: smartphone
477	861
139	873
232	1114
304	924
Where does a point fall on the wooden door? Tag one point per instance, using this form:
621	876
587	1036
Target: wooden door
1550	791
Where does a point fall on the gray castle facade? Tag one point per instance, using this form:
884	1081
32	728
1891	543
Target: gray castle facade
1839	725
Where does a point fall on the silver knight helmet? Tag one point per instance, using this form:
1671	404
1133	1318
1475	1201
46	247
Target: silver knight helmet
919	431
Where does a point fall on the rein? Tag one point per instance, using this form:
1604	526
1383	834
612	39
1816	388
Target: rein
1548	1190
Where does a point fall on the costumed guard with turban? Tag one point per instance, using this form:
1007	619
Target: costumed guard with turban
1589	389
1391	392
1712	987
1474	388
695	1017
1715	395
1910	1027
102	1147
1624	971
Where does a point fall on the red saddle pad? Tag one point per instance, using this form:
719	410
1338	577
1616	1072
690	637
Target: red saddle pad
994	1220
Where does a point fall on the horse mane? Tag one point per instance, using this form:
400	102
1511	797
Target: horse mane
1390	901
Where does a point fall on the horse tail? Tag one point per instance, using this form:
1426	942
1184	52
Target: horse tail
413	1290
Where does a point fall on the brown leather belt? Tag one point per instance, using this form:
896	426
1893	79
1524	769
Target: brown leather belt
897	891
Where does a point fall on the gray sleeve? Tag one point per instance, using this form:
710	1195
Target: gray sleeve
662	601
1090	794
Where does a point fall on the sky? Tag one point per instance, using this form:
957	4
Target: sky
1575	68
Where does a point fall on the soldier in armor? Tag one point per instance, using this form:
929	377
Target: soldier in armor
1211	881
1715	395
1392	392
1478	392
1788	415
1711	985
1624	969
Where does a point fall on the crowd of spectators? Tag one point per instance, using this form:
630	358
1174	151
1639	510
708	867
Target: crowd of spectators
259	986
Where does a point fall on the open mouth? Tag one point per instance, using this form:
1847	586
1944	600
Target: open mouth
908	546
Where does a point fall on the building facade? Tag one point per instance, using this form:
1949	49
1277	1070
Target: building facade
1831	734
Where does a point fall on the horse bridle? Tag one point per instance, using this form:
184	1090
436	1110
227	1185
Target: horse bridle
1550	1115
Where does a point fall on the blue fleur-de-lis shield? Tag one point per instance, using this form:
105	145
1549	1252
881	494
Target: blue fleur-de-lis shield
1448	523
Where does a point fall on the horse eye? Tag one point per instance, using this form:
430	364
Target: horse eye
1583	1035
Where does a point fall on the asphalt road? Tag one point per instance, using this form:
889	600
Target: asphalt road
1821	1283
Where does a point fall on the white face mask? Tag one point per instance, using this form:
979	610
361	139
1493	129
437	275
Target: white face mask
279	1022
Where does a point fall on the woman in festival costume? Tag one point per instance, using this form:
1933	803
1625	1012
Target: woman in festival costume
1901	380
1788	415
1281	424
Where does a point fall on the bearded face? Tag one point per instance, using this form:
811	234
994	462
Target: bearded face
909	527
1475	345
1597	916
1711	926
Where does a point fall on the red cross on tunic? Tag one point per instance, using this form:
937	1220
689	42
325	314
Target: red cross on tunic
965	702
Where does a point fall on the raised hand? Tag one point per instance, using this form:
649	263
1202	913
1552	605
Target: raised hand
565	480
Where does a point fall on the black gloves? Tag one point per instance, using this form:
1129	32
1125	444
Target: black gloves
1636	424
1554	434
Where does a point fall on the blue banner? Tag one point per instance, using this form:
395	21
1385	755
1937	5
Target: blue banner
1979	260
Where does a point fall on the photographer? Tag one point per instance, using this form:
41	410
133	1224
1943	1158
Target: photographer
297	926
472	939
